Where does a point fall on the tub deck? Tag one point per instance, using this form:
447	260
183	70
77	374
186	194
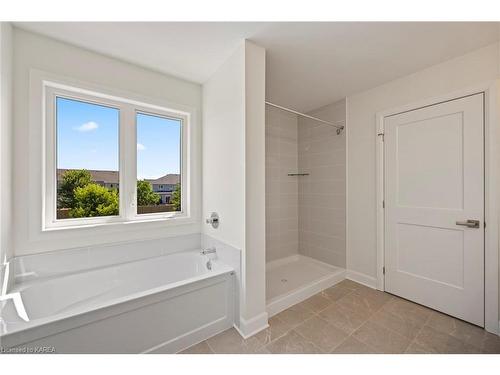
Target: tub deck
49	304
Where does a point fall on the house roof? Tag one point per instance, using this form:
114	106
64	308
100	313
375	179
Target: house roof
168	179
110	177
113	177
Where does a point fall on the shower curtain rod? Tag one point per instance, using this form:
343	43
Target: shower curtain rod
339	127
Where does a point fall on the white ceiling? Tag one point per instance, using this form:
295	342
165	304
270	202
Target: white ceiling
308	64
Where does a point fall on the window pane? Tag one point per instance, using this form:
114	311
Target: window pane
158	164
87	159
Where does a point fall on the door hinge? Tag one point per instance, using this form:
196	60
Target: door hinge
484	224
383	270
381	135
383	203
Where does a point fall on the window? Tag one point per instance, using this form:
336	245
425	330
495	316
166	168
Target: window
112	159
87	159
158	161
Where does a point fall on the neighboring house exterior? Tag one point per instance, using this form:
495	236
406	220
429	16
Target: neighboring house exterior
108	179
164	186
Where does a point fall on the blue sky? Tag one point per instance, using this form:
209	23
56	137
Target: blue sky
87	137
158	146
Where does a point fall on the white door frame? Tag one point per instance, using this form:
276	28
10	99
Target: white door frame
491	138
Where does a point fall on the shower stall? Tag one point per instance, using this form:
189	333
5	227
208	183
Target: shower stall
305	203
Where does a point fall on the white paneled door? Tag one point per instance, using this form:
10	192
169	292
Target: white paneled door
434	200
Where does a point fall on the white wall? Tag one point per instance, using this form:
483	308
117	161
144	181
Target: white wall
224	150
254	265
45	54
322	194
234	170
481	66
6	250
282	199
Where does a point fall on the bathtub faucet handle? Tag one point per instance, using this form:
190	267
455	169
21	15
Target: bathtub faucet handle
210	250
213	220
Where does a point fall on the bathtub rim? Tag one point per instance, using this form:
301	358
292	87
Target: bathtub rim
25	336
15	285
108	308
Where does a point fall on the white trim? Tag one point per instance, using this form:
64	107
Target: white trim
250	327
126	220
49	171
127	154
491	272
491	286
346	204
380	173
361	278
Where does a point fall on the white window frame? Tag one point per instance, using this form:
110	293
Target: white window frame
128	109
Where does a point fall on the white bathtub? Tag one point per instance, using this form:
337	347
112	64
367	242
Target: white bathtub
160	304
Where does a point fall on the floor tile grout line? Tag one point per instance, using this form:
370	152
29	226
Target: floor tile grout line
463	342
277	338
450	334
284	333
352	335
331	300
413	341
327	322
210	346
309	341
316	313
383	326
389	329
353	331
348	335
351	291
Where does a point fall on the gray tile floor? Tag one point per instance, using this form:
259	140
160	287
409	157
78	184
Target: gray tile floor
351	318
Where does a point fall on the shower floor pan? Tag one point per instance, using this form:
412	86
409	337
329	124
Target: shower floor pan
293	279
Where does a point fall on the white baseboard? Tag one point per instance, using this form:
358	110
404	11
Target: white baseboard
250	327
361	278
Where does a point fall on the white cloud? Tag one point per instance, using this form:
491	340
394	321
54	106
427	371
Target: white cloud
140	147
87	127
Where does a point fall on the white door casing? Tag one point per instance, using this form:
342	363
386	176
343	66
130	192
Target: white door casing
434	177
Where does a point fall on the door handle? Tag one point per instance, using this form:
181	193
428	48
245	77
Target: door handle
469	223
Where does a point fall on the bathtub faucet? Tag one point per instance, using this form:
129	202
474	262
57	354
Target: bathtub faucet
210	250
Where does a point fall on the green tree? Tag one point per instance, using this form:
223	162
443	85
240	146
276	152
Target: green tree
71	180
94	200
176	198
145	194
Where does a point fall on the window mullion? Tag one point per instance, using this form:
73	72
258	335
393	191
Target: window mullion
128	149
103	112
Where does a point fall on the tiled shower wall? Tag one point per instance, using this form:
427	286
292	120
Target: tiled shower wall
282	233
322	194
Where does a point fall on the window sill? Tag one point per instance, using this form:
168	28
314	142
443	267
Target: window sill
139	222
